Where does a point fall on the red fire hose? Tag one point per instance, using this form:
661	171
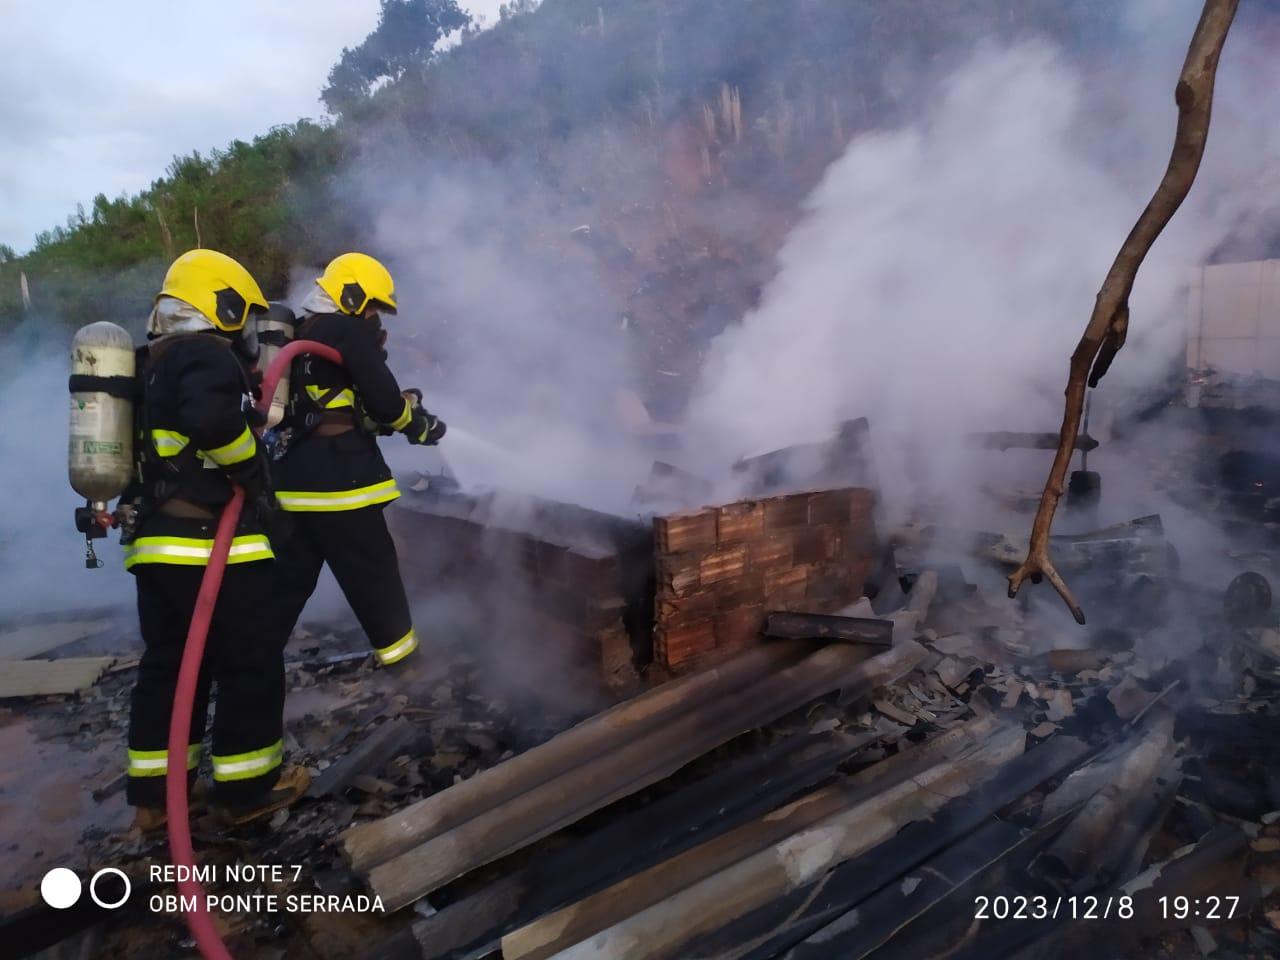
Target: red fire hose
175	786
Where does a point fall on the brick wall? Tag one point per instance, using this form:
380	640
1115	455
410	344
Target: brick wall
720	570
585	605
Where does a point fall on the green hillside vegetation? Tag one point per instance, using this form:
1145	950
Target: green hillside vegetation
766	92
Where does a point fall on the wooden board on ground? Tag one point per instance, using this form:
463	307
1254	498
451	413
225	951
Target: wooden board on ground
34	639
37	678
367	757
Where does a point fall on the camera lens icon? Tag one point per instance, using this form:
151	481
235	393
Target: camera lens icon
61	888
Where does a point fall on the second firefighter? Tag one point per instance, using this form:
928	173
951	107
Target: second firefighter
329	473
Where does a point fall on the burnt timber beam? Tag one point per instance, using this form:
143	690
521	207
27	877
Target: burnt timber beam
893	909
631	766
824	626
665	930
368	756
785	922
651	886
1008	439
369	844
724	800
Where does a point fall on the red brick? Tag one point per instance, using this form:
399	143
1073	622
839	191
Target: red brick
861	503
724	564
833	587
738	627
740	521
786	587
771	553
814	545
860	571
782	513
677	644
592	574
679	574
829	506
742	592
685	531
860	539
678	611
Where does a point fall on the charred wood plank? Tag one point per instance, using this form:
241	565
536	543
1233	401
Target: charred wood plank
368	757
751	787
369	844
824	626
1214	866
786	922
631	766
666	929
42	678
680	872
1009	439
894	909
1087	846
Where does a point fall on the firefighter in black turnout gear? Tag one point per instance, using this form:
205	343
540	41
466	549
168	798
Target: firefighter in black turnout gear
195	440
328	472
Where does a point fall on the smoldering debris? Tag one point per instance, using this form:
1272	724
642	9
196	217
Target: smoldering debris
983	751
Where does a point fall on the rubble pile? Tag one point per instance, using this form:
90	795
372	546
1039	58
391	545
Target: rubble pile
930	770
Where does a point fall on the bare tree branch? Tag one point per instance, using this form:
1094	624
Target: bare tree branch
1105	334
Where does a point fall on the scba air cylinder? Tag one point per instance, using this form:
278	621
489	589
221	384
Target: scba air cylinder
273	330
100	452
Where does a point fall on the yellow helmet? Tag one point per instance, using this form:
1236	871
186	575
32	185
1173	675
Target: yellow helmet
355	281
216	285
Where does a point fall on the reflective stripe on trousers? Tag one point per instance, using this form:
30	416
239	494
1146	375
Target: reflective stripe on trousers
245	766
333	500
397	651
155	763
193	551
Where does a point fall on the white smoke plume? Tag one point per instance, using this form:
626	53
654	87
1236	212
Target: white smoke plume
944	271
520	349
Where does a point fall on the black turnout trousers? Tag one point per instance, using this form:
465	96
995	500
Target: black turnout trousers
359	550
244	657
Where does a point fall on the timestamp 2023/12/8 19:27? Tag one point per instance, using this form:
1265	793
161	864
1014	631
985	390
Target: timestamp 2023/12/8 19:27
1103	907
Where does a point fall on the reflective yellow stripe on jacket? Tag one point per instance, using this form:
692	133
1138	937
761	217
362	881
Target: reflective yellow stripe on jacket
246	766
344	398
406	415
332	501
155	763
170	443
237	451
194	552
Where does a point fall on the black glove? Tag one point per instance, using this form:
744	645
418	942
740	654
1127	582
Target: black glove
424	428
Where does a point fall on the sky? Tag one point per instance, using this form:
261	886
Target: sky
99	97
